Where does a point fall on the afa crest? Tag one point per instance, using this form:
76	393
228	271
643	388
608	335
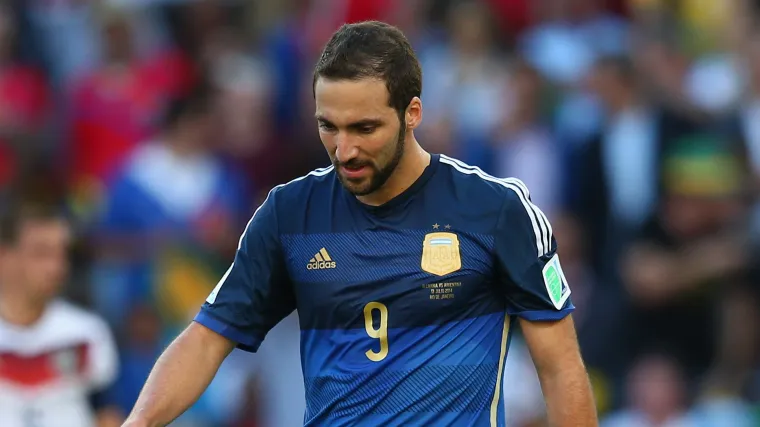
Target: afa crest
440	253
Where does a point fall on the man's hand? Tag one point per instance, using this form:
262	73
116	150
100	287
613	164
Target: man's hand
564	380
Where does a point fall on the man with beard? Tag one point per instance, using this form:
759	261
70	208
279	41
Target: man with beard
408	270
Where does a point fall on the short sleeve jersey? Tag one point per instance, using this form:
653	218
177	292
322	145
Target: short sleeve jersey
405	308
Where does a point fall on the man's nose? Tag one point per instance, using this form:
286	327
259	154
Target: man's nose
346	148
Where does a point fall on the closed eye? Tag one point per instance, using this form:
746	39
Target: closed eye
328	127
365	127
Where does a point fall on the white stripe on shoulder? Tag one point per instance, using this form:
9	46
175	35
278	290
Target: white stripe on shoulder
543	221
316	172
541	227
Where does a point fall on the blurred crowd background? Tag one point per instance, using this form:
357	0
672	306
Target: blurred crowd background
158	125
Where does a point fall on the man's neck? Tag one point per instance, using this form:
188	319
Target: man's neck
409	170
20	311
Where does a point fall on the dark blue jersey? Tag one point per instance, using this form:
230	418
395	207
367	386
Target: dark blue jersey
405	309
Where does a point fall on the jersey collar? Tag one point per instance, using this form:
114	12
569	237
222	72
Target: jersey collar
407	194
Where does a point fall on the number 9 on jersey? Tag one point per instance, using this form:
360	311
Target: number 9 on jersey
380	333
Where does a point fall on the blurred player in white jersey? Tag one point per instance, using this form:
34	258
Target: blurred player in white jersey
56	360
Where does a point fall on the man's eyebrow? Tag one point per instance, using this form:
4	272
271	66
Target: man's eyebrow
370	121
366	122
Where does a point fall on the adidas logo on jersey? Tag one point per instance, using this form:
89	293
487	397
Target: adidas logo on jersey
321	260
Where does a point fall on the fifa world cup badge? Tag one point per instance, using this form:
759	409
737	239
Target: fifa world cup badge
556	284
440	253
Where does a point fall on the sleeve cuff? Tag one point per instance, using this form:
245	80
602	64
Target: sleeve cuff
244	341
544	315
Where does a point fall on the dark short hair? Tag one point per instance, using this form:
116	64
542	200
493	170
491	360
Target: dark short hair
15	215
373	49
194	103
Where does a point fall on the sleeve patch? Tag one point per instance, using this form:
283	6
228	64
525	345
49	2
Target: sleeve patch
556	283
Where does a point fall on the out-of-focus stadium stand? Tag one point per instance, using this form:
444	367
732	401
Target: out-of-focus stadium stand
160	124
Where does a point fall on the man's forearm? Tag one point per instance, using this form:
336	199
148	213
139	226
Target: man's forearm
569	399
180	376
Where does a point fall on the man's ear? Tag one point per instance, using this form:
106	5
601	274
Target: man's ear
413	114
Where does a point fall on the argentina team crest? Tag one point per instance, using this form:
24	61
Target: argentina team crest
440	253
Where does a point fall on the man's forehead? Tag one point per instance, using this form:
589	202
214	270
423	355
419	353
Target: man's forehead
44	228
371	84
351	99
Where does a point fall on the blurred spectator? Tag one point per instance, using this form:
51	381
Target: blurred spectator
464	96
664	69
524	145
116	107
172	218
618	170
57	361
140	347
746	121
570	37
716	34
689	256
657	396
245	113
524	405
249	416
67	35
722	396
279	378
633	122
724	412
513	16
24	104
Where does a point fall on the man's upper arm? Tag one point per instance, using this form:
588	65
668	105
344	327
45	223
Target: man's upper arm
255	292
552	345
529	272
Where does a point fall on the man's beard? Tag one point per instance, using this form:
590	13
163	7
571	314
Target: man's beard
377	177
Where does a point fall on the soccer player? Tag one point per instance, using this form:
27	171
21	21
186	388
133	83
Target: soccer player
56	360
409	271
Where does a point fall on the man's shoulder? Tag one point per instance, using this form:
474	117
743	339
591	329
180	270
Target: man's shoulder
63	324
80	318
479	188
297	190
286	204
